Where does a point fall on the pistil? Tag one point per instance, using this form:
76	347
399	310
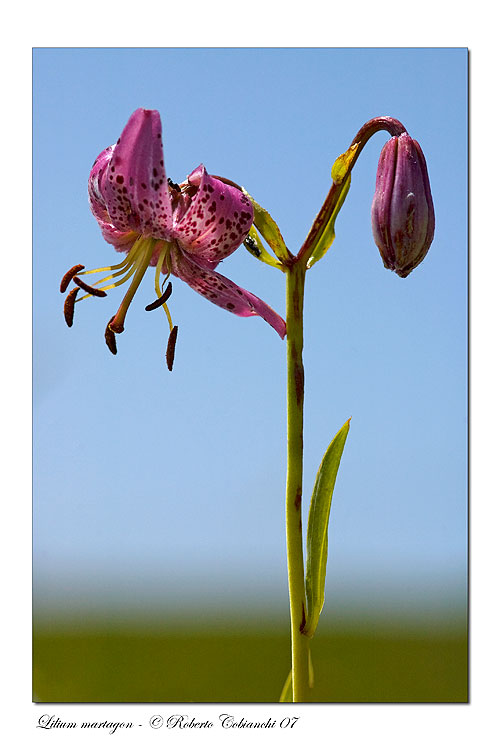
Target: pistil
145	252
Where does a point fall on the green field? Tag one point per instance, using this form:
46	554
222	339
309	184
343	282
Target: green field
145	663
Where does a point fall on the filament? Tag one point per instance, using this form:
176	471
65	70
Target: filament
164	256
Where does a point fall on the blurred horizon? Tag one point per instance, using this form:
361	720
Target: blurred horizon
151	595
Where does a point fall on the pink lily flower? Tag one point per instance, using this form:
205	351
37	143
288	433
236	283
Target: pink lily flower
185	230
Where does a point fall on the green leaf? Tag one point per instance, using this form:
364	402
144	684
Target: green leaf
269	230
328	235
317	529
311	669
343	164
257	249
287	691
340	174
287	694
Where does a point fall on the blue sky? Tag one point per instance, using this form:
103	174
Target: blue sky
148	482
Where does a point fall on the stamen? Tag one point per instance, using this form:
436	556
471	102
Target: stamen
112	286
110	338
66	279
69	307
123	266
171	347
89	289
116	265
159	266
161	300
164	256
108	268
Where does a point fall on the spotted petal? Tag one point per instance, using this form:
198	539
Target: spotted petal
97	203
223	292
217	220
122	241
134	184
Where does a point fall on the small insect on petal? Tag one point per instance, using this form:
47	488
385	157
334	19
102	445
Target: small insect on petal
69	307
68	276
110	338
161	300
173	185
252	246
89	289
171	347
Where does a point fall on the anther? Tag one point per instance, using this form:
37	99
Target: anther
110	338
66	279
69	307
88	289
161	300
171	347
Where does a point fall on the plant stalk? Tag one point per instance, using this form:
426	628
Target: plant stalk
295	420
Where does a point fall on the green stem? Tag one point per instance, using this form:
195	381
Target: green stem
295	414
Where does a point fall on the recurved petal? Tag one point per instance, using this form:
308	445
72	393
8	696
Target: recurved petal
96	199
134	183
121	241
223	292
217	219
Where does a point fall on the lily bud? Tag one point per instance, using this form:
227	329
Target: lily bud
402	210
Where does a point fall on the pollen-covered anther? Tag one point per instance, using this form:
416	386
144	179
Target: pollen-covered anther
110	338
161	300
69	275
69	307
89	289
171	347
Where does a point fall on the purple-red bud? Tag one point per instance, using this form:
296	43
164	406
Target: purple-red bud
402	209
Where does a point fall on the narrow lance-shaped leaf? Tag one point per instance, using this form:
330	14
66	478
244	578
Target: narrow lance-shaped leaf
340	176
317	529
326	240
269	230
287	691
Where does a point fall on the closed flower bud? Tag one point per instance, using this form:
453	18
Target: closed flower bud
402	209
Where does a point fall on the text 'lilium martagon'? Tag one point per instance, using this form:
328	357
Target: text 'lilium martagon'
184	230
